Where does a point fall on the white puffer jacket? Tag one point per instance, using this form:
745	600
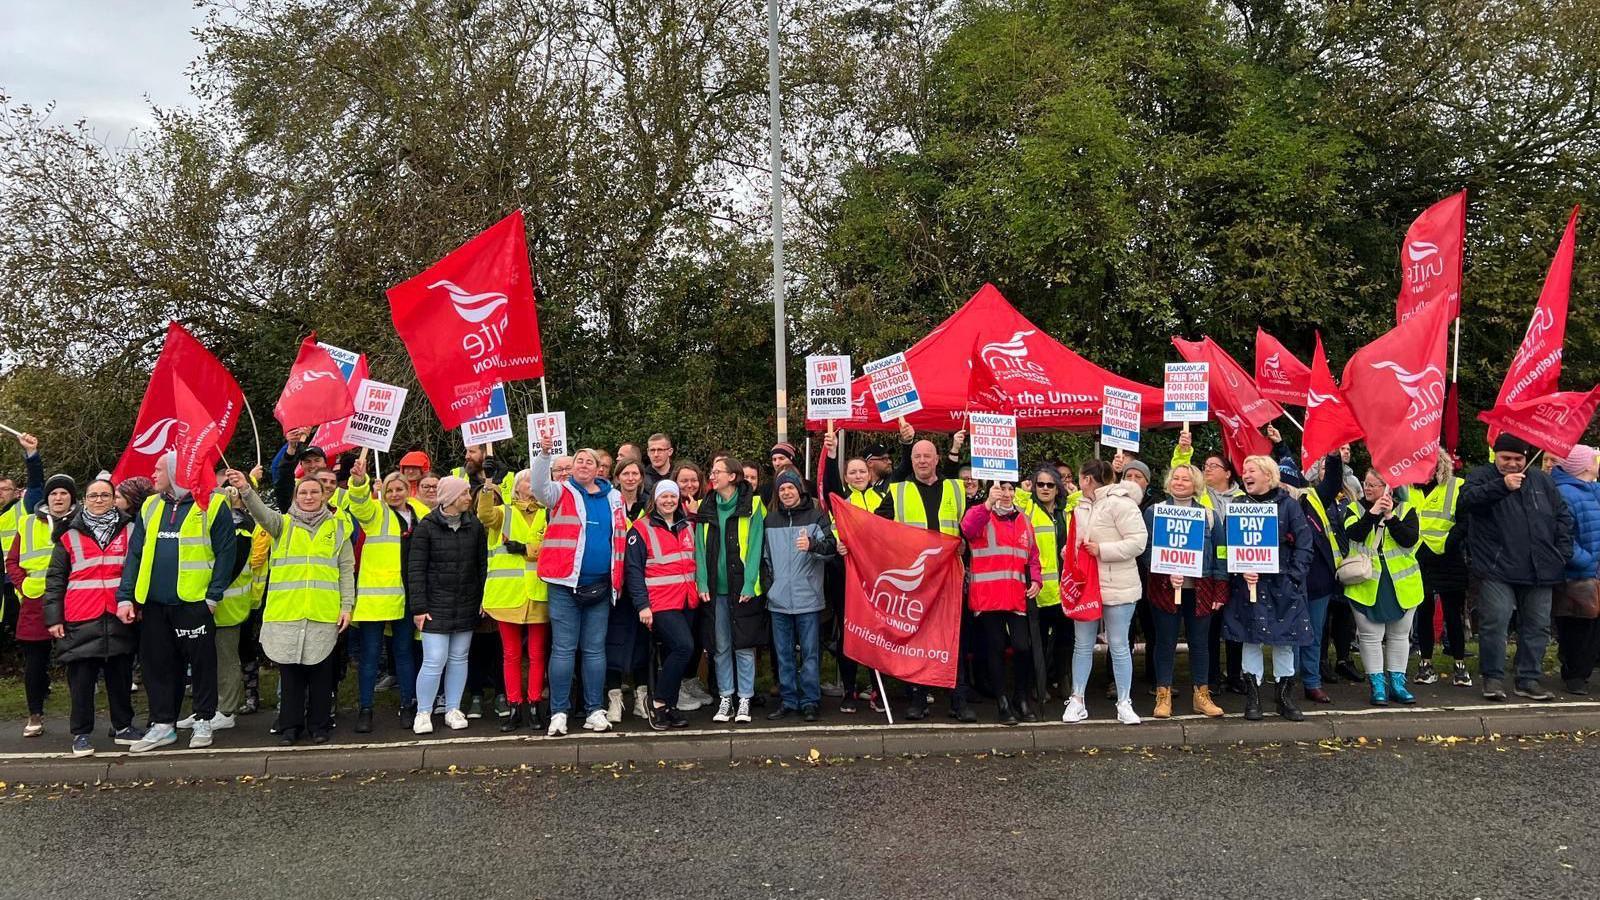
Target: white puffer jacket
1112	519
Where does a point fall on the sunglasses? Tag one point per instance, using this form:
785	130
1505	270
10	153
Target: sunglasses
1041	485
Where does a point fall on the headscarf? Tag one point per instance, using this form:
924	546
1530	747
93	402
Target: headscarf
135	491
1580	460
666	486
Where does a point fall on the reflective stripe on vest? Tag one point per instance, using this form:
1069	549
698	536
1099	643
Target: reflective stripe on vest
999	572
952	504
564	534
238	598
1400	562
33	554
509	586
305	573
95	575
1045	536
668	567
1436	514
1327	525
195	558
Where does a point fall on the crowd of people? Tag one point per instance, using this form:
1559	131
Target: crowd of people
556	592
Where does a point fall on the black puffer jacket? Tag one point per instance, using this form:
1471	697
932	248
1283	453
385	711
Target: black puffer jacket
99	638
445	571
1521	537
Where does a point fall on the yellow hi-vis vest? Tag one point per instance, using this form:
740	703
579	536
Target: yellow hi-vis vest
195	558
1436	512
1044	535
305	572
952	504
513	578
380	583
33	553
1400	562
8	527
1327	524
240	596
868	499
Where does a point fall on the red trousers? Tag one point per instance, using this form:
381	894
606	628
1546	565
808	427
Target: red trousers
511	650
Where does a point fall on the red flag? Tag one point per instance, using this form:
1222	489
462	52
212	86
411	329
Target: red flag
1329	423
469	322
199	446
160	422
1240	439
1552	422
1536	369
315	392
1396	389
1279	376
1232	390
984	393
902	601
333	437
1430	259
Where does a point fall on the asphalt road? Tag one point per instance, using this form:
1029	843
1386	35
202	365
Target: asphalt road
1491	819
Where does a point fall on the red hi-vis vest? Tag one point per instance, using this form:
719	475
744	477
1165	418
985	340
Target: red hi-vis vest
94	575
561	554
998	579
668	566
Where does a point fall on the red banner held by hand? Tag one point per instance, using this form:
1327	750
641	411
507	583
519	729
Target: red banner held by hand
1553	422
1536	369
902	602
1329	422
315	393
160	422
1279	376
1396	389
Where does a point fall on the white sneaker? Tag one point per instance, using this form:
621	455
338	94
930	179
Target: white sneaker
200	737
221	721
157	736
614	705
186	722
743	715
1076	711
422	724
639	701
597	721
558	725
455	719
724	710
1125	713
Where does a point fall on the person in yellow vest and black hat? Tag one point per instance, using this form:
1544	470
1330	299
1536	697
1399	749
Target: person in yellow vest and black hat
242	597
1442	554
386	525
1385	530
927	493
26	564
479	468
180	561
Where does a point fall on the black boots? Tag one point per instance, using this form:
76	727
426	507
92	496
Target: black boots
919	704
515	720
1252	698
364	720
1008	716
961	711
1025	710
536	715
1286	707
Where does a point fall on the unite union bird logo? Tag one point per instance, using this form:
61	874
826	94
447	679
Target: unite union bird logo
474	308
891	592
1533	340
1425	388
312	376
1234	422
1314	399
158	437
1421	250
1009	358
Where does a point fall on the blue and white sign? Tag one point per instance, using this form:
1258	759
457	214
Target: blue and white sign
1186	395
1253	538
893	388
344	358
994	446
1119	419
495	425
1178	540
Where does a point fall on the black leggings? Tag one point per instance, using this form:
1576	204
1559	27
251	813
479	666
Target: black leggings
36	674
998	630
1455	617
1340	629
671	629
307	704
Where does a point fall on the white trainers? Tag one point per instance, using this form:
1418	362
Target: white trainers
1076	711
157	736
724	710
422	724
221	721
186	722
1125	713
743	715
200	737
558	725
614	705
455	719
639	701
597	721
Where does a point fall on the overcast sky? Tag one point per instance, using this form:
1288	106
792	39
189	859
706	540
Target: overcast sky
98	59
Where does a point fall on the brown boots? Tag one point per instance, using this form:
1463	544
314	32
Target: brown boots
1163	703
1203	703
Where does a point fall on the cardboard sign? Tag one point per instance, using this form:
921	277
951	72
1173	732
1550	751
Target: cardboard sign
827	387
1253	538
1186	395
553	424
377	415
495	425
994	446
1178	540
893	388
1119	419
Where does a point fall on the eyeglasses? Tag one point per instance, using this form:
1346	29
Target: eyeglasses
97	496
1213	464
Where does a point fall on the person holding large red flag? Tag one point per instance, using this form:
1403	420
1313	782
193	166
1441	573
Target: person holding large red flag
180	561
1444	570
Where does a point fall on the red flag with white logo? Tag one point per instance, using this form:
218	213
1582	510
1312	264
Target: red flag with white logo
469	322
1279	376
902	601
1552	422
160	423
984	393
1536	369
1396	390
1240	439
1430	259
316	392
1329	422
1232	389
333	437
198	446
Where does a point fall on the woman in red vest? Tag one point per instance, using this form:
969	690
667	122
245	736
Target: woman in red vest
94	634
1005	573
660	572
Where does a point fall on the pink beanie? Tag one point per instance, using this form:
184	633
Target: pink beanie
1580	460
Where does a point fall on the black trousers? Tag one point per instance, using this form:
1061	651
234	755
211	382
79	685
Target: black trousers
1340	629
999	630
1578	644
1235	654
1455	617
36	674
84	674
176	637
1056	632
307	704
485	670
672	629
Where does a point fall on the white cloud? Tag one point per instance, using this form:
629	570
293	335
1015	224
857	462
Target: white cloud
99	60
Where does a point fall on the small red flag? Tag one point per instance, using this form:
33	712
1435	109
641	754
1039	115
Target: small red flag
1552	422
1232	389
1329	422
160	423
1279	376
333	437
316	392
1396	390
1430	259
1536	369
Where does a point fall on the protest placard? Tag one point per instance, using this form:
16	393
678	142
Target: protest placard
1177	540
1119	419
1253	538
1186	395
377	415
827	387
495	425
553	424
994	446
893	388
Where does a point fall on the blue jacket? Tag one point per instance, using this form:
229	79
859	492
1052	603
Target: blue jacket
1583	500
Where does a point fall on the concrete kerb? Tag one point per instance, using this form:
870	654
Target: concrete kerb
715	745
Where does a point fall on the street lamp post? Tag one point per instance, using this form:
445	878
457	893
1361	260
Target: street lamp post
780	348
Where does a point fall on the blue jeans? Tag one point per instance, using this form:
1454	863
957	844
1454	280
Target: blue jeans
787	630
1311	654
736	669
1198	628
1284	657
443	654
1496	601
1118	620
575	629
405	666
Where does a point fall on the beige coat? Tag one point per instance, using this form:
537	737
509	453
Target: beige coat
1112	519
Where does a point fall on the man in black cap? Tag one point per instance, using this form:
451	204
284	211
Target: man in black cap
1519	538
880	464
